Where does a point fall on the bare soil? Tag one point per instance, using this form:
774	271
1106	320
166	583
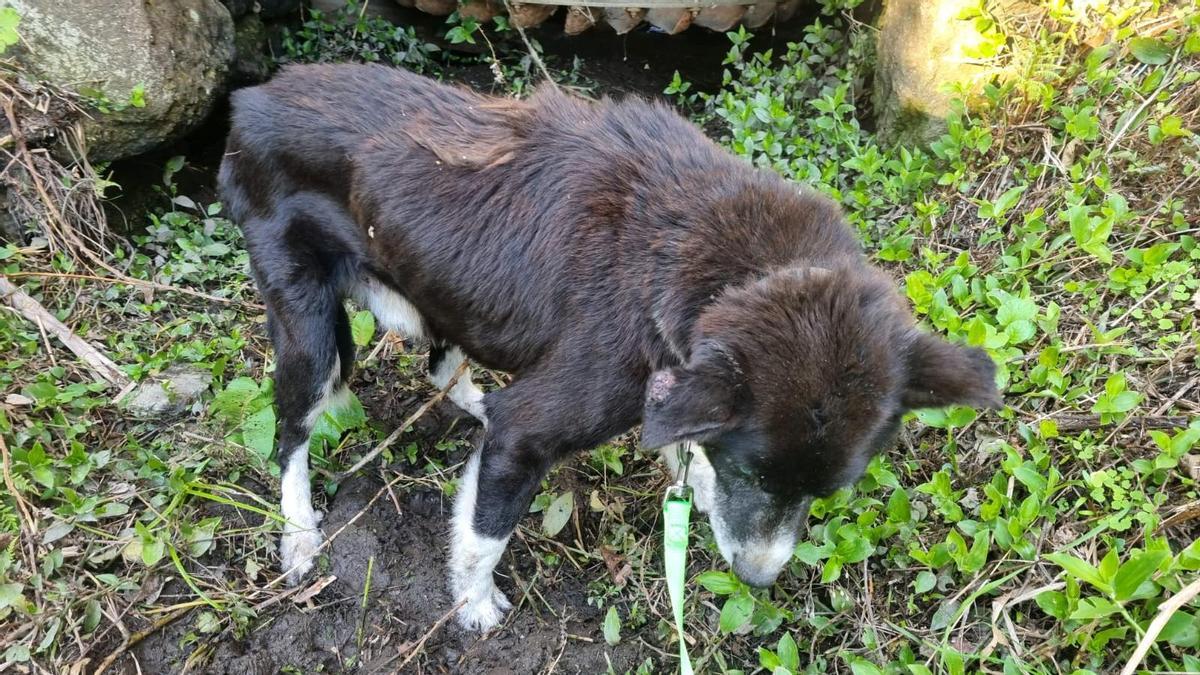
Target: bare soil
404	623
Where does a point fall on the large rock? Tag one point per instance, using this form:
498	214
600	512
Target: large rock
278	9
252	64
177	51
924	46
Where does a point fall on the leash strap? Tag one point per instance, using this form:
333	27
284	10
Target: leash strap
677	508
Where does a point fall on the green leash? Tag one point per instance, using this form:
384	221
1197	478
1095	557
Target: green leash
677	507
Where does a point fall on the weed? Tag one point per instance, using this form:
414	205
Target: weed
350	34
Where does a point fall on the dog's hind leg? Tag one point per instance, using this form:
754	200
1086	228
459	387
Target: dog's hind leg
310	374
314	356
397	314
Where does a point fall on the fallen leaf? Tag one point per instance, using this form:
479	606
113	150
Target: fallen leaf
618	569
1191	465
622	575
612	560
151	588
555	517
1097	38
314	590
56	531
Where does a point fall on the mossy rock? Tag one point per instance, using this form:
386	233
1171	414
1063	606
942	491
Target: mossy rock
178	54
252	64
927	49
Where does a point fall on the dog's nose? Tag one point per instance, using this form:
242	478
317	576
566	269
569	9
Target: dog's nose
755	575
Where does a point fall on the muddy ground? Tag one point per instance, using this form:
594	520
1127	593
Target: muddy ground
404	625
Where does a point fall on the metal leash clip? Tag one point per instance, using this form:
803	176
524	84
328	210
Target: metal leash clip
680	490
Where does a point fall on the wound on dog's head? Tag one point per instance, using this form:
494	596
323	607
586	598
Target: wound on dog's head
691	403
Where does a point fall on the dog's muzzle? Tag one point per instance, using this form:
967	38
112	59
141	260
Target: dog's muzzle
762	567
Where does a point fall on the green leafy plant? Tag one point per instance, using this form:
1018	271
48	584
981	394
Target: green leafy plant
350	34
9	21
245	407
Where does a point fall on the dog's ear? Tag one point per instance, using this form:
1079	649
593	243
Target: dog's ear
942	374
692	403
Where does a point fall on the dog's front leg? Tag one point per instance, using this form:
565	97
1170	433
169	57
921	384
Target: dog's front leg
495	491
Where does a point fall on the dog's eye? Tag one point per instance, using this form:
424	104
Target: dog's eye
748	474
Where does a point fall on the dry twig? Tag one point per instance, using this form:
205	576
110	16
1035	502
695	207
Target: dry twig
1072	423
533	54
1165	611
33	311
28	524
137	637
387	442
420	644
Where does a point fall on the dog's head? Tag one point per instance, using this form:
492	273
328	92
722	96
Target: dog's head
793	383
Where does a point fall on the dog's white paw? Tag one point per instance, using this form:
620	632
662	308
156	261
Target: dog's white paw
484	613
298	552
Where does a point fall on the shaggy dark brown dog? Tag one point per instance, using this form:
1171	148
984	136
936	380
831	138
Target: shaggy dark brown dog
620	265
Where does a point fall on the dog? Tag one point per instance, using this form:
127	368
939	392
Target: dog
619	264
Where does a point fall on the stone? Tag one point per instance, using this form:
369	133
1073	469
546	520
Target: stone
176	54
623	19
480	10
172	392
525	15
278	9
238	8
383	10
924	46
670	20
758	14
724	17
580	18
437	7
251	63
786	9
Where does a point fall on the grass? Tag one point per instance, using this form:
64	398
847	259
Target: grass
1055	224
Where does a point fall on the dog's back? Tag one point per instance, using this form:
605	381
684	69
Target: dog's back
491	215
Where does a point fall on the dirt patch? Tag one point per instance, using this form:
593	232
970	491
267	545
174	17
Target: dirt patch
407	597
400	538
